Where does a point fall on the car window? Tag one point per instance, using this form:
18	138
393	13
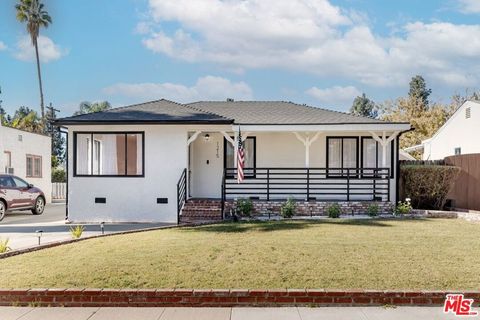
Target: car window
20	183
6	182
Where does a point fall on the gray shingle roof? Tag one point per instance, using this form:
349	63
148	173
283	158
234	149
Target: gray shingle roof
278	112
219	112
159	111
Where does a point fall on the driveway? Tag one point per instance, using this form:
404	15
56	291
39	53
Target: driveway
21	227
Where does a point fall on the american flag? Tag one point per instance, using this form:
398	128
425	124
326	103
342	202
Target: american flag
240	158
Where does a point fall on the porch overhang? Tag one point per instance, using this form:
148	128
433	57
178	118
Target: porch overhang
346	127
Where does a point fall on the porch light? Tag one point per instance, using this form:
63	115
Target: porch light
207	137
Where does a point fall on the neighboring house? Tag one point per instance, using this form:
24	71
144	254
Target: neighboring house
140	162
459	135
28	156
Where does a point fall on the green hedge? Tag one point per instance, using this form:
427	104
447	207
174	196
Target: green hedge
428	185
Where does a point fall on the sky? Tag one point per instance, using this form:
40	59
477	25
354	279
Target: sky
320	52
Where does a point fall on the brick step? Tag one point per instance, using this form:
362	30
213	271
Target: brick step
194	206
205	202
199	219
188	213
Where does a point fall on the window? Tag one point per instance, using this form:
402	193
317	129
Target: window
372	155
7	181
109	154
250	146
468	113
458	151
19	183
34	166
342	153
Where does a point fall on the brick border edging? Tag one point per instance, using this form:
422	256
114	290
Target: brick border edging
220	297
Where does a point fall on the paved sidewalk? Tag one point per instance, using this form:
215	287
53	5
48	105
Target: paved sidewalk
330	313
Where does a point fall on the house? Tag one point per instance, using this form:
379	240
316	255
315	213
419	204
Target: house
457	136
28	156
164	161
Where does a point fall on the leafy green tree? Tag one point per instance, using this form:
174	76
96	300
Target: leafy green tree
33	13
88	107
363	106
28	120
418	91
58	140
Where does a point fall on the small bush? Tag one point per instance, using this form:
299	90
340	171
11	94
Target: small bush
373	210
58	175
428	185
4	245
334	210
288	208
77	231
403	207
245	207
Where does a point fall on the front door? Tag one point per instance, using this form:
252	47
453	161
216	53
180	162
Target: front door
206	166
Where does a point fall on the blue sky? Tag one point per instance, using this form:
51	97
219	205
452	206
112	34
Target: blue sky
319	52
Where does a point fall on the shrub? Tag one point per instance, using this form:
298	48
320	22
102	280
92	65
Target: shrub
77	231
58	175
4	245
288	208
245	207
334	210
403	207
373	210
428	185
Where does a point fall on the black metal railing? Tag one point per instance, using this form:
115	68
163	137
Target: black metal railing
320	184
181	193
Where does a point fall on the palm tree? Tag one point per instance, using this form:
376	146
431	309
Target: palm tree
33	13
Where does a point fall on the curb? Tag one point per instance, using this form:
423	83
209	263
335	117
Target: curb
220	297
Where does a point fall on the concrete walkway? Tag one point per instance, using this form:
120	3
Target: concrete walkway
330	313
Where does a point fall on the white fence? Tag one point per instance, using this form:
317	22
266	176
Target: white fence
59	190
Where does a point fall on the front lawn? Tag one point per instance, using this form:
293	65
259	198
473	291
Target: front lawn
372	254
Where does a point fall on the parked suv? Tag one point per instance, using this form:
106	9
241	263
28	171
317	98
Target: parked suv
17	194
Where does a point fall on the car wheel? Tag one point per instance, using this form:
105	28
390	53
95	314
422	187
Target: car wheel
39	206
3	210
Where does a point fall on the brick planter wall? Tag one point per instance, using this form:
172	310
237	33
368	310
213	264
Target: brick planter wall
316	208
219	298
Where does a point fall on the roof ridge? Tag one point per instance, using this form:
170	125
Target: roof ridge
118	108
188	105
336	111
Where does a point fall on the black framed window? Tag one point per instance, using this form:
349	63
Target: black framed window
250	147
342	153
372	155
109	154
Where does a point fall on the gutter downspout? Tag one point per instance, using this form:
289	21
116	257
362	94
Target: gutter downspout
397	164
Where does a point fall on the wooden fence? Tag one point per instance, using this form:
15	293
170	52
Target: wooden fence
466	191
59	191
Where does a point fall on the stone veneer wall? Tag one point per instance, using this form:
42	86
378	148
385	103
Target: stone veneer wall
314	208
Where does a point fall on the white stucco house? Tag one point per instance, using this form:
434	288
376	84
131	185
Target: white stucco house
163	161
459	135
28	156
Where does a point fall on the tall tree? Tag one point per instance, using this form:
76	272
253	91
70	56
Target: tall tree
27	119
418	91
363	106
32	13
88	107
58	140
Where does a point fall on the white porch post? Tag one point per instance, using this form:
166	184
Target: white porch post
384	141
307	142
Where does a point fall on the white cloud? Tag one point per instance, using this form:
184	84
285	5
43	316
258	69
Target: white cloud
48	50
206	88
3	46
469	6
335	96
312	36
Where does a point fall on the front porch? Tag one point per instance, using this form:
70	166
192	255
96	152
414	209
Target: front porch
315	168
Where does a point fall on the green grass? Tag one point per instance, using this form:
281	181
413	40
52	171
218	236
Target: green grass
371	254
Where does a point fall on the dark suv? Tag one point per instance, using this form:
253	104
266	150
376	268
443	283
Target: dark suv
17	194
